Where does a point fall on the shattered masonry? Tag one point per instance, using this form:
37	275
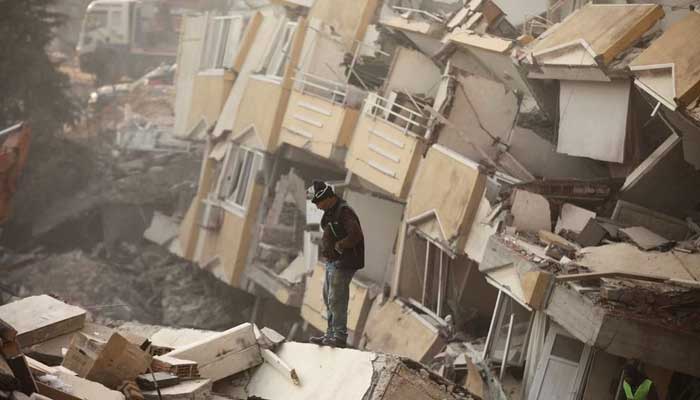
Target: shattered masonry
526	174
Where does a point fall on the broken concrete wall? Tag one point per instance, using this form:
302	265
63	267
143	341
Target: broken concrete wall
485	111
349	20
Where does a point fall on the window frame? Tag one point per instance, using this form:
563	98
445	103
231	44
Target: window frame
234	165
279	59
217	40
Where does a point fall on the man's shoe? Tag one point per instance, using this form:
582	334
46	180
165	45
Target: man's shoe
317	340
334	342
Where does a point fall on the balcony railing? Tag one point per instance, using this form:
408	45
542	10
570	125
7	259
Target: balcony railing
407	119
313	85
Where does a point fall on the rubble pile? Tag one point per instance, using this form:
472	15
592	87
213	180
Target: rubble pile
145	284
88	361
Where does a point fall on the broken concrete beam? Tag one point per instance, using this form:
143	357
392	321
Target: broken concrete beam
536	287
198	389
184	369
117	361
530	211
224	354
40	318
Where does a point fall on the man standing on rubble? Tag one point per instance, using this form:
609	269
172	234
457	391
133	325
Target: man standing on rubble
343	248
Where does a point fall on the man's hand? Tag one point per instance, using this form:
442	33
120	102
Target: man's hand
337	248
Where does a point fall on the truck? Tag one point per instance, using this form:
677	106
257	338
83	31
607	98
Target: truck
128	37
14	149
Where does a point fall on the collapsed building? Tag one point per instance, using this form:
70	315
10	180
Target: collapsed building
526	175
524	182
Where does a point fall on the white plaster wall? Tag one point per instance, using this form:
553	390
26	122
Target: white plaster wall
380	221
593	119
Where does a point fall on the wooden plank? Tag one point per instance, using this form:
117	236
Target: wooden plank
225	354
39	318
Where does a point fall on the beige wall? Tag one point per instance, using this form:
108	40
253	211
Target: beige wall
329	125
451	187
231	242
209	92
261	100
401	155
349	18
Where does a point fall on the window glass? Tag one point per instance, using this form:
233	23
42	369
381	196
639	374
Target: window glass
244	179
567	348
95	19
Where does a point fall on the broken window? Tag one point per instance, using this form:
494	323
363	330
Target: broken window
437	268
510	331
221	42
240	167
279	57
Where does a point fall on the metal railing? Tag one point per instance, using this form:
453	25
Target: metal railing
421	12
324	88
408	120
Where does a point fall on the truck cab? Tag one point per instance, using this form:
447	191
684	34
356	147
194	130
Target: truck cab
127	37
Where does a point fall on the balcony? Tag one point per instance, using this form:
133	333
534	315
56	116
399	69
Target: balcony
318	117
388	142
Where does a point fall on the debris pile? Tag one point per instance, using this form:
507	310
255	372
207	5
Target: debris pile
92	362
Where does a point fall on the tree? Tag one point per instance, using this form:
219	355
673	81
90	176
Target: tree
31	86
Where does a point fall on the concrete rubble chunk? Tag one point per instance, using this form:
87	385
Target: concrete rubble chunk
644	238
573	218
224	354
116	361
162	230
40	318
530	211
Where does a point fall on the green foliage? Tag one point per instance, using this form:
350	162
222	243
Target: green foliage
641	393
31	87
